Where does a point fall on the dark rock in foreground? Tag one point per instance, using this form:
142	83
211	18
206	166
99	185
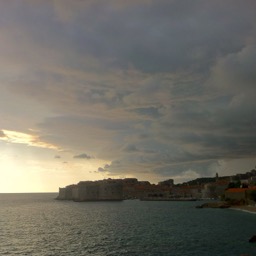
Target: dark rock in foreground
252	239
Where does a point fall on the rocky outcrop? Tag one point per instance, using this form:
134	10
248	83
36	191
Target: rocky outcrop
252	239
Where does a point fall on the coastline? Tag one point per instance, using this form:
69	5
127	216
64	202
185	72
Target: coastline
245	208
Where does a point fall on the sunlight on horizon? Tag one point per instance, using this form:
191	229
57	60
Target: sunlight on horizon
33	176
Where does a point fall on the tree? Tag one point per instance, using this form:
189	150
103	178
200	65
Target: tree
236	184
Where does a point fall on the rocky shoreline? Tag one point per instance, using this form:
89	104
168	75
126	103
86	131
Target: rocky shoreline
214	205
247	208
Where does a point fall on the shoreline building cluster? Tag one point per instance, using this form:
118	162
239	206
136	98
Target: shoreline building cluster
130	188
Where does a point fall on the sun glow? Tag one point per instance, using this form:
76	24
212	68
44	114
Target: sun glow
24	138
12	176
26	171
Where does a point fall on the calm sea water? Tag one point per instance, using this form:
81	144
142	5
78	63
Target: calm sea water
36	224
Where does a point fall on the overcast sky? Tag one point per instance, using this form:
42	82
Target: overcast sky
148	89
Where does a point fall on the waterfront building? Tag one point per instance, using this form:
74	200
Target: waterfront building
109	189
215	189
241	195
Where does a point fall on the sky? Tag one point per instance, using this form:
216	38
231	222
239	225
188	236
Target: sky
94	89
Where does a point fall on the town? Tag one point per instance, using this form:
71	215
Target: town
239	188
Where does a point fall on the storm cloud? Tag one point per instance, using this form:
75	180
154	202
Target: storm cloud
154	88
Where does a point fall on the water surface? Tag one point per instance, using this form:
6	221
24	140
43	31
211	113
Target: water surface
36	224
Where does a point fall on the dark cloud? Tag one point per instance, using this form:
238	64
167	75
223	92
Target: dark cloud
57	157
150	112
153	38
106	168
83	156
131	148
100	169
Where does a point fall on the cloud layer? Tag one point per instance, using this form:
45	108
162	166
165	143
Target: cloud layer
160	88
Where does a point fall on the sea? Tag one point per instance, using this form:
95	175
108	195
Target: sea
37	224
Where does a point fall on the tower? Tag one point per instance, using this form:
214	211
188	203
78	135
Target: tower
217	177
